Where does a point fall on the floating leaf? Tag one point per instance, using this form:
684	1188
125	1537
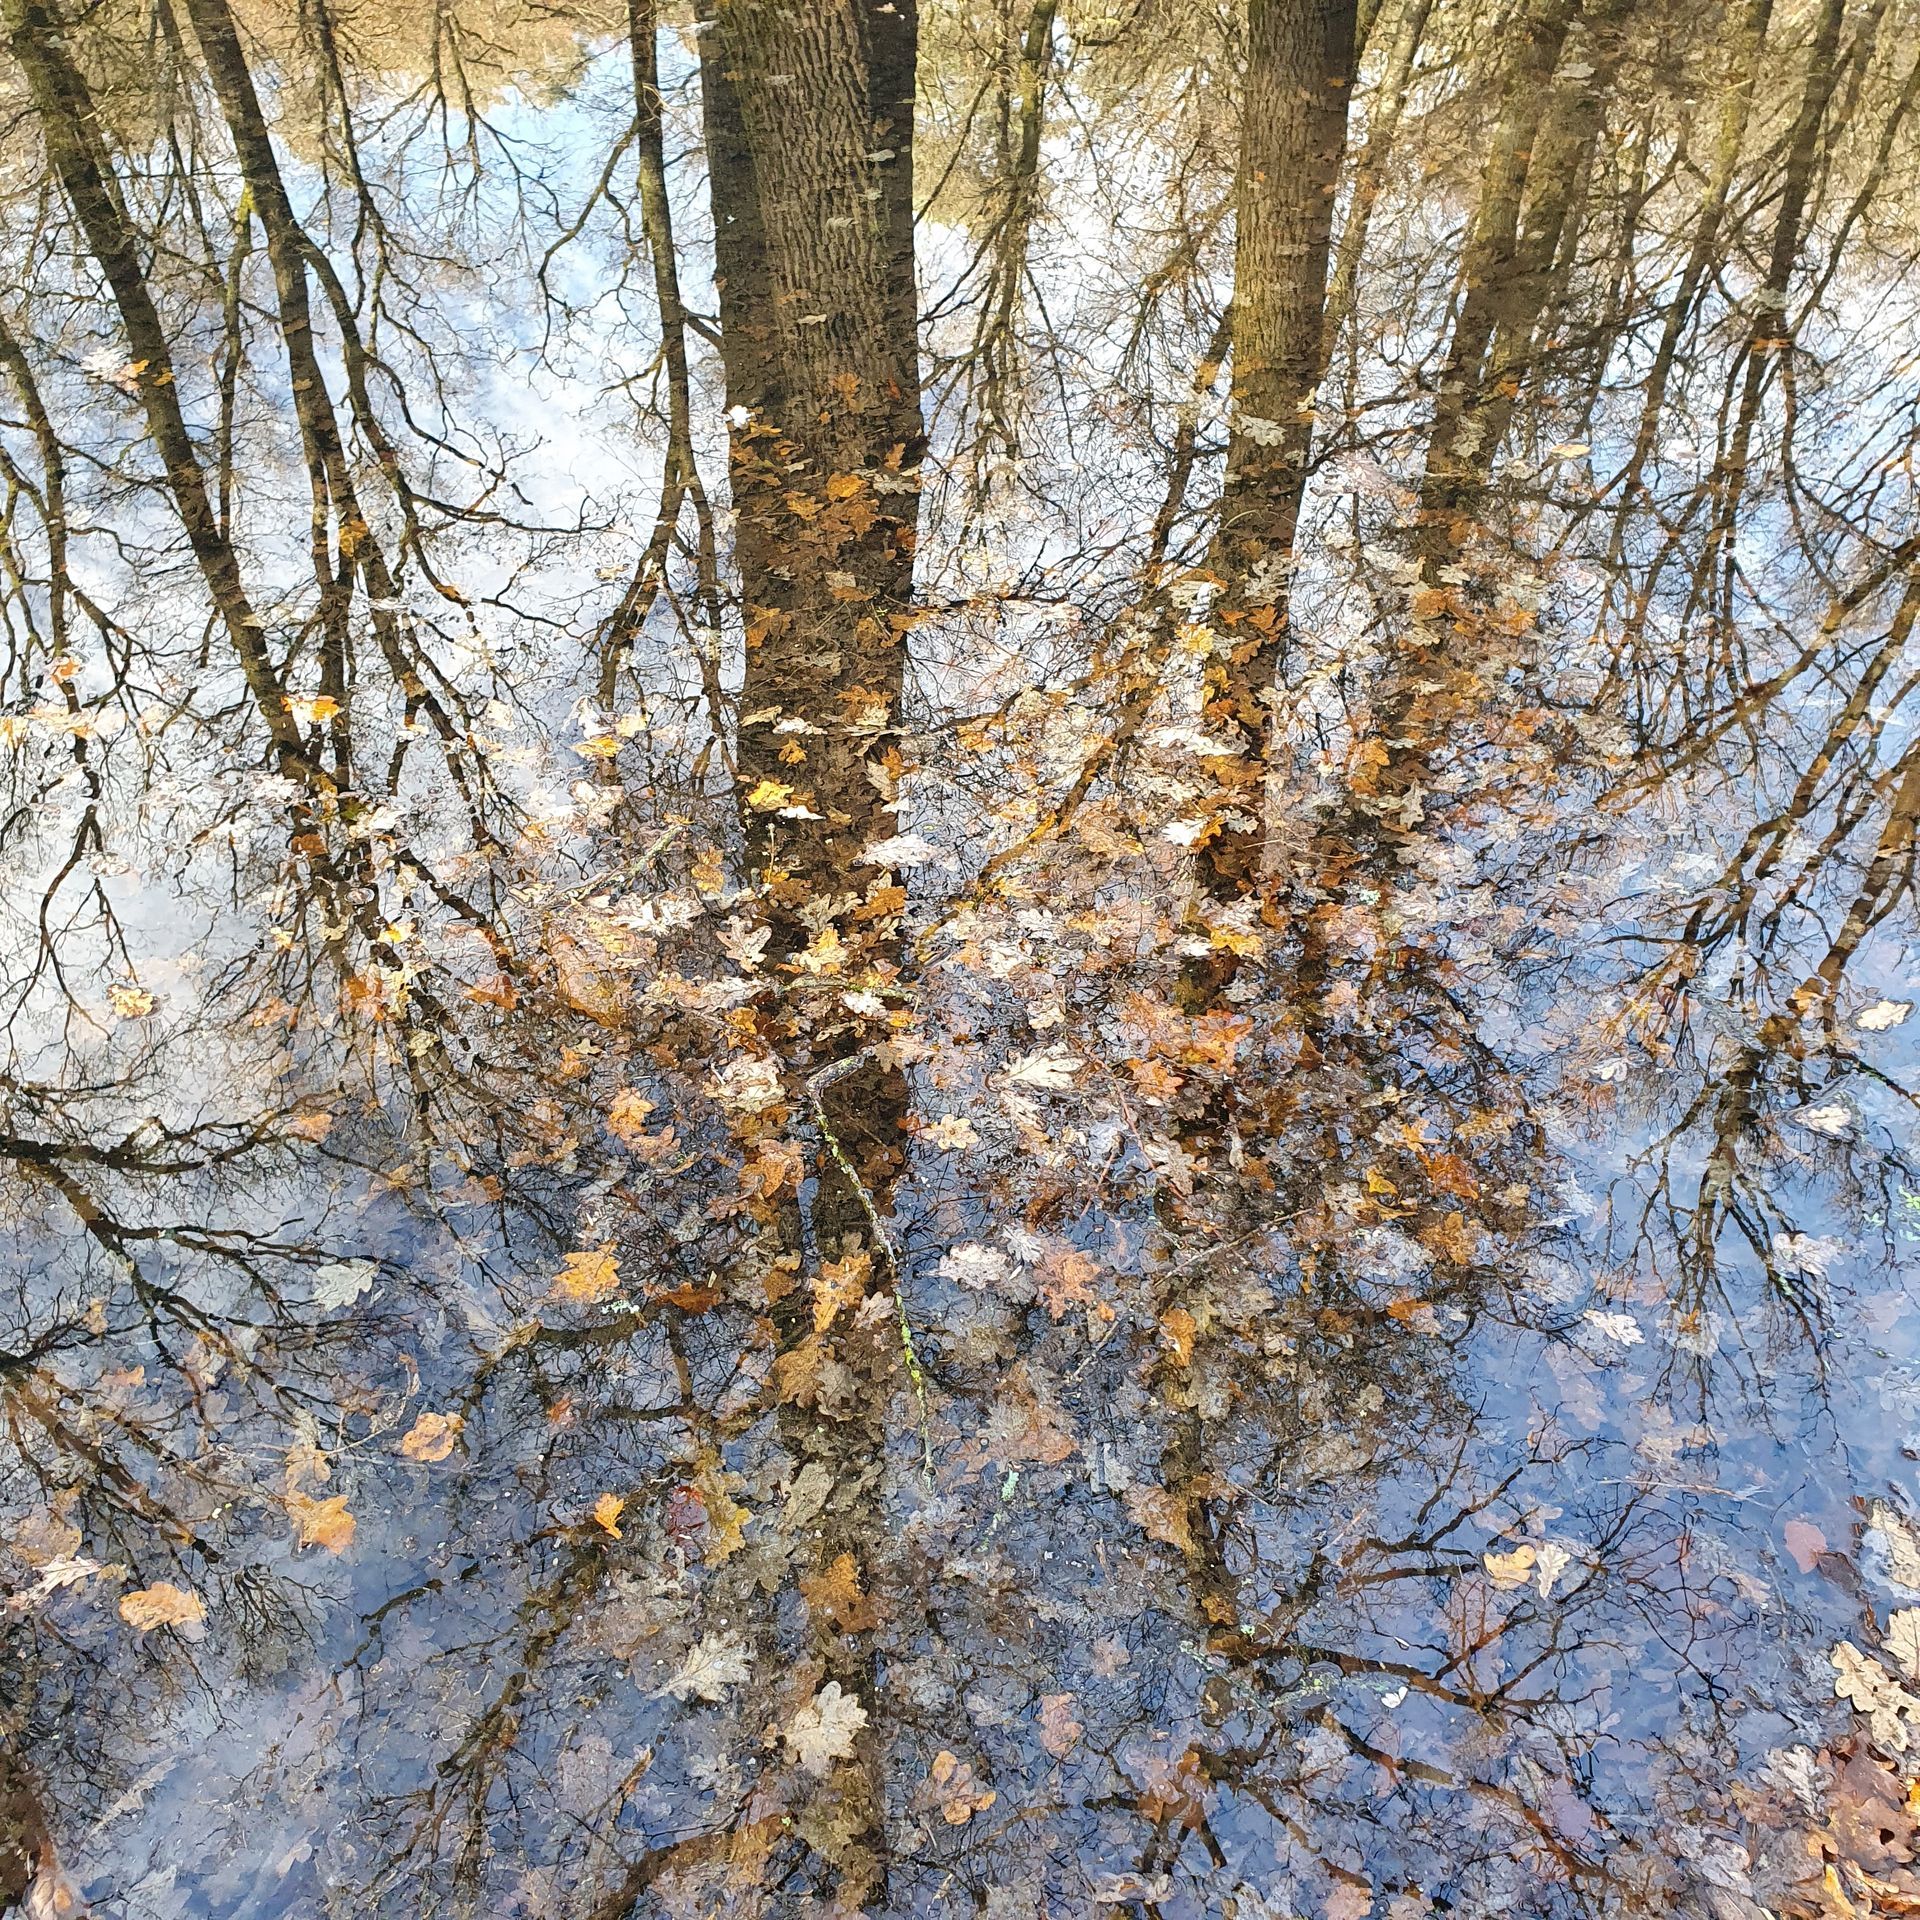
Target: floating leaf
1060	1731
431	1436
834	1594
341	1282
607	1511
1882	1015
320	1523
1902	1641
1509	1570
164	1605
1051	1070
954	1790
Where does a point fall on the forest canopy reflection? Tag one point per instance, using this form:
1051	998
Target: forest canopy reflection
957	957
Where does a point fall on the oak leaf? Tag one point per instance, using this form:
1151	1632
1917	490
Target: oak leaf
715	1663
839	1284
1059	1731
1510	1570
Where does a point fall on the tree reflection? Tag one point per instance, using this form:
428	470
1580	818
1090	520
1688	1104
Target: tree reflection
1112	1144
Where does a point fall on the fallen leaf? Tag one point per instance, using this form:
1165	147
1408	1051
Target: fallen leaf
1178	1329
954	1792
839	1284
1059	1730
588	1276
1805	1542
1902	1641
1551	1563
1051	1070
1509	1570
1161	1516
341	1282
824	1729
1873	1692
431	1436
164	1605
607	1511
627	1117
1621	1328
320	1523
1835	1121
1902	1539
835	1594
130	1003
715	1663
1882	1015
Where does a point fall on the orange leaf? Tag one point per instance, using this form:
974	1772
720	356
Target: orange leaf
431	1437
321	1523
163	1605
588	1276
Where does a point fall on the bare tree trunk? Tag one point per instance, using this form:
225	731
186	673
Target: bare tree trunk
69	125
1293	135
809	124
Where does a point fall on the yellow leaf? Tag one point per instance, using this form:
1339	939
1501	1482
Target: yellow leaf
312	712
602	746
431	1437
607	1511
588	1276
1508	1570
130	1003
627	1117
321	1523
163	1605
769	796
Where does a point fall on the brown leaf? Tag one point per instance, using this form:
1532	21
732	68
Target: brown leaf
1059	1731
627	1116
431	1436
954	1791
1177	1326
320	1523
1162	1515
839	1284
835	1593
164	1605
